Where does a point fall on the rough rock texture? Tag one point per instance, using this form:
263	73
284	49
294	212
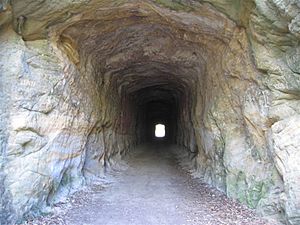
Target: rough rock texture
83	81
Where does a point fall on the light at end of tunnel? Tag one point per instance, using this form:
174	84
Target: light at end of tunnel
160	130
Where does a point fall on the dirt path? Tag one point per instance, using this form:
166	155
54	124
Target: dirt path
154	190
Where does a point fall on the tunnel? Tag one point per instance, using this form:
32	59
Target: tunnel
154	101
85	83
133	67
144	73
157	107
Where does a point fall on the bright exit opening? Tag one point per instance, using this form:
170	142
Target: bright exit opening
160	130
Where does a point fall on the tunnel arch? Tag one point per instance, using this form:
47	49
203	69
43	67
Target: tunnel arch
90	71
134	54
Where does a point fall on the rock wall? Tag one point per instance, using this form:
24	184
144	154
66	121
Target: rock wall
54	127
73	75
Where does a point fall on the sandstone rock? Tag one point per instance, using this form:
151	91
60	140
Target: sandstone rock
82	82
285	136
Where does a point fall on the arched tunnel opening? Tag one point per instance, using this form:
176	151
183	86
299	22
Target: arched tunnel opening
129	68
154	96
143	74
157	110
157	102
86	82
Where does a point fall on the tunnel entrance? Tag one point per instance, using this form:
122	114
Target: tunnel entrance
159	109
134	74
90	80
135	68
143	73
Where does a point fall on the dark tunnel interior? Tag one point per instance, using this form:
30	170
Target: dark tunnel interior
157	105
163	100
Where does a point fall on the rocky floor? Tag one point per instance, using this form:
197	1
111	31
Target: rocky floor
153	189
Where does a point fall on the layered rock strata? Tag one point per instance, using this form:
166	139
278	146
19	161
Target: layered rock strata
82	82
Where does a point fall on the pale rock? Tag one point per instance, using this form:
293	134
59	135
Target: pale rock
78	78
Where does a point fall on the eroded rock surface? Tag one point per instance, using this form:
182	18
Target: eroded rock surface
82	82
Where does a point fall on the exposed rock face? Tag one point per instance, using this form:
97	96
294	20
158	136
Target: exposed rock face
84	81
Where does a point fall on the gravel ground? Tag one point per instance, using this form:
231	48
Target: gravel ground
153	189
